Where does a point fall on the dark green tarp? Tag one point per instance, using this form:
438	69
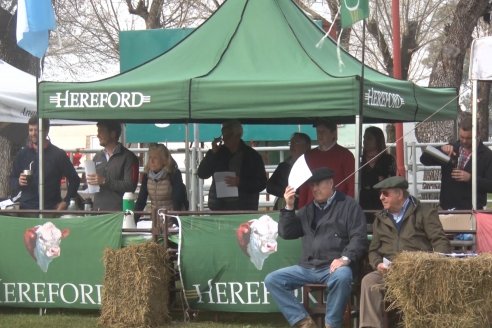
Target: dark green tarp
254	60
138	47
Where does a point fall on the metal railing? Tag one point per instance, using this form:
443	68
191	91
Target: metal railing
412	151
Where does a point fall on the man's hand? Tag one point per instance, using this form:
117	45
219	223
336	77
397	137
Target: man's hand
336	263
95	179
61	206
460	175
448	150
22	180
289	196
382	268
232	181
216	143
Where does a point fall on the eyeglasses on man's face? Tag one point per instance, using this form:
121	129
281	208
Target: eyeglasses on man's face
385	193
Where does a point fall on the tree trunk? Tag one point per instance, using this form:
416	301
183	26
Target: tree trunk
152	15
483	110
6	160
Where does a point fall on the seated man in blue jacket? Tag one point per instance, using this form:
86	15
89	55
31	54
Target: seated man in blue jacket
334	236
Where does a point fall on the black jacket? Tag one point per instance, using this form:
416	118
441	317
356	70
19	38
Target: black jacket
342	231
56	166
252	177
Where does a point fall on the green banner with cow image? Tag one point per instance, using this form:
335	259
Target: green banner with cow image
225	258
55	263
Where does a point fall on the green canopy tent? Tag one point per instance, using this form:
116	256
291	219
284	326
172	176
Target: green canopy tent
253	60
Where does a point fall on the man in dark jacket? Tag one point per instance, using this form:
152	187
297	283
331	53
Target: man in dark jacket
456	184
244	167
116	168
334	237
299	144
56	166
404	225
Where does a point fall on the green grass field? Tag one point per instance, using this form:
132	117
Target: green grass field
27	318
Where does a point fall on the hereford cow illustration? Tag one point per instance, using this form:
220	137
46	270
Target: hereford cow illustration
43	243
258	239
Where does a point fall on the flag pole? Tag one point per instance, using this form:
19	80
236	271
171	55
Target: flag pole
40	142
351	13
395	18
360	118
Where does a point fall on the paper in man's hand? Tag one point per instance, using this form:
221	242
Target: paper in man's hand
90	168
299	173
437	154
221	188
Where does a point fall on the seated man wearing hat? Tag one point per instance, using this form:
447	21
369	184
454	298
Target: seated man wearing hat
334	237
404	224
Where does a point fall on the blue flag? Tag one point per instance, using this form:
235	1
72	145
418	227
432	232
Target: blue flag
35	18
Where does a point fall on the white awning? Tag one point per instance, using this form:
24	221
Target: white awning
480	63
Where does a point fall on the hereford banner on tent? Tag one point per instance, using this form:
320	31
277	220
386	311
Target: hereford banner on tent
225	258
55	263
252	60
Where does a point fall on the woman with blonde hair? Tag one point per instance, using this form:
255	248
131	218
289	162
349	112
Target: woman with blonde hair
162	182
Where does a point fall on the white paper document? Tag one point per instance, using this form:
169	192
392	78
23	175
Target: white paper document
299	173
437	154
90	168
6	204
386	263
221	188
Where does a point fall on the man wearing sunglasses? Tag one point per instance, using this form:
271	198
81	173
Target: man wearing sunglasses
334	238
404	224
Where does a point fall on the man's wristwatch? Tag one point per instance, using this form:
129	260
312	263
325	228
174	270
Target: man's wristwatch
345	259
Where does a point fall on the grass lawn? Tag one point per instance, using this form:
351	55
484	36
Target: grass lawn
27	318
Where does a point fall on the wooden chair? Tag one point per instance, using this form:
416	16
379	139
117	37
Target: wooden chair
317	308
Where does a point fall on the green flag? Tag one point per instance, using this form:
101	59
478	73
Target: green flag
353	11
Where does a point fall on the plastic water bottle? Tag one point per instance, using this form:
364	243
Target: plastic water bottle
128	201
87	206
72	206
129	220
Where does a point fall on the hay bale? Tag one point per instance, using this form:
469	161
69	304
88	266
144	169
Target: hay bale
468	320
433	290
136	286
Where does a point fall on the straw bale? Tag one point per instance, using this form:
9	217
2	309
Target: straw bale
136	286
433	290
461	320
